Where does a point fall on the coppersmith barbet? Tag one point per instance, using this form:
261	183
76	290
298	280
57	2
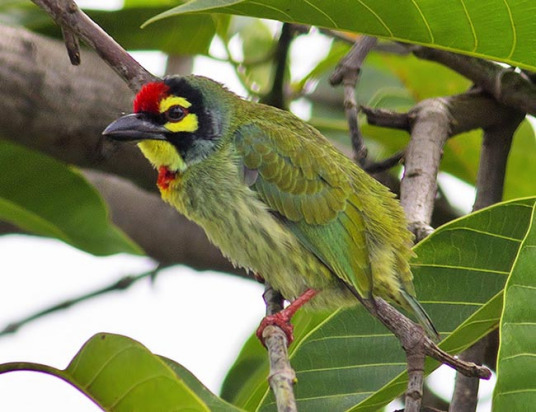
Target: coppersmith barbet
273	194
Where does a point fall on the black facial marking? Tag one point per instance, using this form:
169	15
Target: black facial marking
193	146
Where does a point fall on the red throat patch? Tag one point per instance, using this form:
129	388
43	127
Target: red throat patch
165	177
148	98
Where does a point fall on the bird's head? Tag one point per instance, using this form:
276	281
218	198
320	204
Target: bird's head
176	122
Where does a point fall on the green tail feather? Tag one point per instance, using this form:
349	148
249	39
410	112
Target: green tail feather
422	316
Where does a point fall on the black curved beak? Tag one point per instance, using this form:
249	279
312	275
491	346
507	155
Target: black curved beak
135	126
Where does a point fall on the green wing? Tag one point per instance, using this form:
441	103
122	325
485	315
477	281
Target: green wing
301	176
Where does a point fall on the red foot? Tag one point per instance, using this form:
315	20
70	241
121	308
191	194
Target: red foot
282	318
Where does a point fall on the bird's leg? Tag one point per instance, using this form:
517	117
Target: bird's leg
283	317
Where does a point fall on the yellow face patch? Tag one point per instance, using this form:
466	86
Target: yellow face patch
161	153
189	123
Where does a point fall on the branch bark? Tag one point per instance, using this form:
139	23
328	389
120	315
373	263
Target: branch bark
507	86
75	22
59	109
347	73
429	132
282	377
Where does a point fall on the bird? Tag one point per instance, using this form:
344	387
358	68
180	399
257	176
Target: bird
275	196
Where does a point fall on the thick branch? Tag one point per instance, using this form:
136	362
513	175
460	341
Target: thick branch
429	133
59	109
507	86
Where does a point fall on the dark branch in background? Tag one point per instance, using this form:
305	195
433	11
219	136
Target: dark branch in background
277	97
76	23
386	164
497	140
120	285
347	73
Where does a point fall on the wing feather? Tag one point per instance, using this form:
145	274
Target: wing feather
300	179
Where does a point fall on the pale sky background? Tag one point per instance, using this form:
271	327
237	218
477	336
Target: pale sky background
185	315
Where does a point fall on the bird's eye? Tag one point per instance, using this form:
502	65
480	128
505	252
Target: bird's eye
175	113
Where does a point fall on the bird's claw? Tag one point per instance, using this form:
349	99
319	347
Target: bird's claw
280	320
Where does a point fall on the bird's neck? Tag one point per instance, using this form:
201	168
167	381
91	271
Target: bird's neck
165	178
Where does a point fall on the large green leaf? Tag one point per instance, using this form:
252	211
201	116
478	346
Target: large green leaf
492	29
43	196
182	35
459	273
516	367
120	374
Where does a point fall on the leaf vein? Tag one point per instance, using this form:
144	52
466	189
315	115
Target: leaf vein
322	12
386	27
357	366
514	31
432	39
475	39
287	16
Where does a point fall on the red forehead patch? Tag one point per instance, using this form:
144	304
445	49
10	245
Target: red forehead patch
148	98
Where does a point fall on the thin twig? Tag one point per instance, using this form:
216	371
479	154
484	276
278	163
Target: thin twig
282	377
386	164
387	118
122	284
76	23
347	72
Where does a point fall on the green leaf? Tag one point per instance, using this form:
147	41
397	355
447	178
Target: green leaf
45	197
213	402
459	273
516	363
120	374
521	167
184	35
470	27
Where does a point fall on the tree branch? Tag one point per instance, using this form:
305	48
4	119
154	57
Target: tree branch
122	284
276	97
504	84
75	22
282	377
418	187
347	72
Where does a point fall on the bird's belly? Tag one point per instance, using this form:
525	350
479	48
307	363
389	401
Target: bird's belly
249	235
